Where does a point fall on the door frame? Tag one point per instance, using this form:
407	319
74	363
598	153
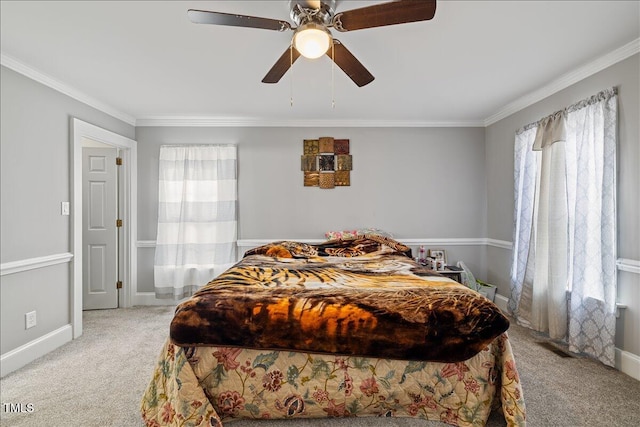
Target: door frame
128	147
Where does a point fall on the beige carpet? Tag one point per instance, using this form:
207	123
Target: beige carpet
98	380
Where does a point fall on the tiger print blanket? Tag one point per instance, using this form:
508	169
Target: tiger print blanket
359	297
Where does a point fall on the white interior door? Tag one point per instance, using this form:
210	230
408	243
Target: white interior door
100	234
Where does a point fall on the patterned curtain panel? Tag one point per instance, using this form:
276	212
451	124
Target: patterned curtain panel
197	217
563	274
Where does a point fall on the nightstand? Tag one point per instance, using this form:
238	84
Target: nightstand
455	275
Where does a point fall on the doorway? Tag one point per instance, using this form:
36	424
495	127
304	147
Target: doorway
128	214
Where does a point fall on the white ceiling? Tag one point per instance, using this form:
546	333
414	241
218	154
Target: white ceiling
476	60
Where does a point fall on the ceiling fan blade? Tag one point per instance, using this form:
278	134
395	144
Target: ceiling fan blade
349	64
219	18
397	12
282	65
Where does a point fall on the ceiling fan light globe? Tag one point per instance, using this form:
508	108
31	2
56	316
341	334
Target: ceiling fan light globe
312	41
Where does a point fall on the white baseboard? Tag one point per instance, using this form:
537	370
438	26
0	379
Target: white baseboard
628	363
502	302
625	362
27	353
149	298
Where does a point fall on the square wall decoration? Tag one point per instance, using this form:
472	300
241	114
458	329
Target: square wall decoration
326	162
342	179
309	163
311	146
341	146
311	179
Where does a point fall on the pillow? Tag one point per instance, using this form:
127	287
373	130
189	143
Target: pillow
344	234
350	234
374	232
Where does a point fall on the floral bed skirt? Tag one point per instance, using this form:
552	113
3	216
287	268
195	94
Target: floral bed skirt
205	386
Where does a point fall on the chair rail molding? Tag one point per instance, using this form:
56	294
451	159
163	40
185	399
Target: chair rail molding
19	266
455	241
623	264
146	244
629	265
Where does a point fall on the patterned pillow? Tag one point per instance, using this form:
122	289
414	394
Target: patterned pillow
350	234
344	234
373	232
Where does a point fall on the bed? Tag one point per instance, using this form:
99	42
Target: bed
350	327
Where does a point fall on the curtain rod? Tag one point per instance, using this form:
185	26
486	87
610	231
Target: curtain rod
602	95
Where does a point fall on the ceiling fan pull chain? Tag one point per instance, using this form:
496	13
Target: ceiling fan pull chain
291	73
333	67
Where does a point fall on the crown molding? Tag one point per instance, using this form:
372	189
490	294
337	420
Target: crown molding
565	81
552	87
185	121
40	77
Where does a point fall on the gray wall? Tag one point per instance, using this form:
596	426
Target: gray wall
35	171
499	166
413	182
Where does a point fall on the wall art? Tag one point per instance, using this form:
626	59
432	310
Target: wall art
326	162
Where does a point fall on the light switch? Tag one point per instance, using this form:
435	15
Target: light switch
64	208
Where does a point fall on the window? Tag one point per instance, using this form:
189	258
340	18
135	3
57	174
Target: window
563	275
197	217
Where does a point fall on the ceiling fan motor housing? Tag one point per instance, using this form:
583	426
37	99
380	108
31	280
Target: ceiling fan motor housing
319	12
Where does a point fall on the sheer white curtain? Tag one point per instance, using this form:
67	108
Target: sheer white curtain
563	274
197	220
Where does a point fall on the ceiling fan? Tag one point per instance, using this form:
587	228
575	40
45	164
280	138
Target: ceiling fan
312	37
